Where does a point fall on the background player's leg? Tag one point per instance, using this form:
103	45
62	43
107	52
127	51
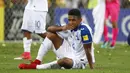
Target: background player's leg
27	45
114	34
114	13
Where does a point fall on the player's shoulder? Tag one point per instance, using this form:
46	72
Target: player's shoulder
84	27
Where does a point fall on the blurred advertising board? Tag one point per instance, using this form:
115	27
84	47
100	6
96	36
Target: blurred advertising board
13	24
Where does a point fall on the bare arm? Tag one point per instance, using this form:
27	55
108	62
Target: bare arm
87	48
56	28
60	28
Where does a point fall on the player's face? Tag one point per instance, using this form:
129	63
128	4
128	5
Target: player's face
74	20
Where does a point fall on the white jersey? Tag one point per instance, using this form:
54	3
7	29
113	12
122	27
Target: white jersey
77	37
81	35
38	5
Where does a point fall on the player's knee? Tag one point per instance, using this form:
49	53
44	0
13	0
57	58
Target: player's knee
66	63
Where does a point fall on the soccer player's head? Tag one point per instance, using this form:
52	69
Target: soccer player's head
74	17
74	12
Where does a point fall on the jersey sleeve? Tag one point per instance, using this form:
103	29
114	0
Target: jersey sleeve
86	35
64	34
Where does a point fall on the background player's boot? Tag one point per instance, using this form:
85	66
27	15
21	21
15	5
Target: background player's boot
112	46
25	56
105	44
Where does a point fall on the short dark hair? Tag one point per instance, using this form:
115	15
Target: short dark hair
75	12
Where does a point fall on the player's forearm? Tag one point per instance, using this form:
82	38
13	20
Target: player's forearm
55	28
87	48
89	57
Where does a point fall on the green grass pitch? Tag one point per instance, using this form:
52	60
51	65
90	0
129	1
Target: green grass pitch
107	60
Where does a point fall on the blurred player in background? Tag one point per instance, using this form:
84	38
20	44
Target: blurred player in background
76	3
34	21
112	10
72	45
71	3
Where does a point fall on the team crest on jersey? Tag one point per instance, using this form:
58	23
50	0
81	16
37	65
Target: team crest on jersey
85	37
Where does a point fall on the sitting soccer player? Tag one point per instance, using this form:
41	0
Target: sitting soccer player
72	44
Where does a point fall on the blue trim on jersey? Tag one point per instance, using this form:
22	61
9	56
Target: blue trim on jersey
85	34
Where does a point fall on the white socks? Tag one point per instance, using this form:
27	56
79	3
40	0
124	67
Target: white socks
45	46
47	65
27	44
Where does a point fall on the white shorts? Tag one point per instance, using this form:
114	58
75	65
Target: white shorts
66	50
34	21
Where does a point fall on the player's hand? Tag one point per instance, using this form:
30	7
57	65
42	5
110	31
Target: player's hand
92	67
64	28
68	27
